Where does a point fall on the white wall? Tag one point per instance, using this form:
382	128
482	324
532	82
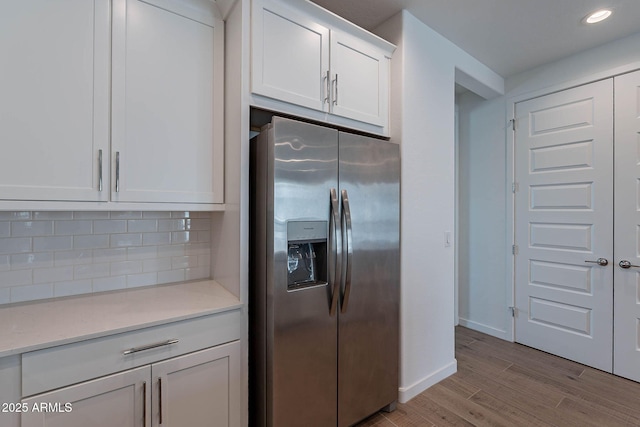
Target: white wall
484	134
422	119
482	261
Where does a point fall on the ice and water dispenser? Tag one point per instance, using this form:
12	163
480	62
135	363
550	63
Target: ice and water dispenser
307	254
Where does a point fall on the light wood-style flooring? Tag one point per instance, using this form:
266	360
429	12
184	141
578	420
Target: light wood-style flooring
499	383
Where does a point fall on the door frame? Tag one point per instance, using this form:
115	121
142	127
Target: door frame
511	102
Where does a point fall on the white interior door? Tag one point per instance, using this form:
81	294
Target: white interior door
626	360
564	221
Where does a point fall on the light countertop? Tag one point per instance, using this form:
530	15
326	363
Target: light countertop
36	325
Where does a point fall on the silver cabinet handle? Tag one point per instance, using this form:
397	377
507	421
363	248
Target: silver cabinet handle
335	98
117	171
335	237
627	264
100	170
144	403
346	212
600	261
149	346
159	400
328	79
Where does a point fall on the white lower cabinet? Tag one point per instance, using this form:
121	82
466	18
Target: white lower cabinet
117	400
196	389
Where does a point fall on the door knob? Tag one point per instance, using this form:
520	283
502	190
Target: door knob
627	264
603	262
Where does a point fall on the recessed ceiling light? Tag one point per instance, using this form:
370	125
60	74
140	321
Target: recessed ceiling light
597	16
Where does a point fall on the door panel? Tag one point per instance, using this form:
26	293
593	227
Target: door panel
368	328
360	80
115	400
564	167
54	102
301	358
165	100
627	231
198	389
278	36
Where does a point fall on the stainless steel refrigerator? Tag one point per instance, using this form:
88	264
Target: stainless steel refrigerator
324	276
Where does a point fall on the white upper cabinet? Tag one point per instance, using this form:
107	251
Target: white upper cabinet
111	101
290	57
360	81
167	138
311	63
54	100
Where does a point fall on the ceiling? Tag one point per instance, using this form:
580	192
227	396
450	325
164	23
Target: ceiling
509	36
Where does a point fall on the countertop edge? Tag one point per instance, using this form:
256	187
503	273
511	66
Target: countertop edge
232	304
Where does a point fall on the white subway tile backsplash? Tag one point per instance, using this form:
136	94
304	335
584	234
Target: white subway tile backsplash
54	274
157	264
109	255
124	240
125	267
170	276
110	226
55	254
5	295
5	229
67	228
94	241
14	245
195	273
4	262
53	243
32	292
91	271
144	279
82	256
14	215
155	239
171	225
109	284
91	215
126	215
15	278
142	225
183	262
156	215
74	287
52	215
31	228
142	252
182	236
171	250
31	260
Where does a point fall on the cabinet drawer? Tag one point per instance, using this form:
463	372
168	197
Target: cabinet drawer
60	366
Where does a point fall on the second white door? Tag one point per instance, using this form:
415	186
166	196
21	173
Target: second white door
570	301
626	326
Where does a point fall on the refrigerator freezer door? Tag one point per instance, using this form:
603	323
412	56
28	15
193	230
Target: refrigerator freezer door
301	354
368	326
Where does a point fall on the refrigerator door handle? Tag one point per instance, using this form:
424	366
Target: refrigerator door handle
346	212
335	250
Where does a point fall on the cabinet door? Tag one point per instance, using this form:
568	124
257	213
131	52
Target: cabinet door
54	102
360	80
122	400
167	135
199	389
290	56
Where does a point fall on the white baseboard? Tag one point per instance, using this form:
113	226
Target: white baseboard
485	329
407	393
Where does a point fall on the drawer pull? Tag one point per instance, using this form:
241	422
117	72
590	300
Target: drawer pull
149	347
